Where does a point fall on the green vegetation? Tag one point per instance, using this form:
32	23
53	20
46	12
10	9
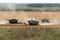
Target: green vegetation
31	7
44	5
29	34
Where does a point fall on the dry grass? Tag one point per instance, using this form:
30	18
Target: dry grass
39	15
52	16
30	34
26	32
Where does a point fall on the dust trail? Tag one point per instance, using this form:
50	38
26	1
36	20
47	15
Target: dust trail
3	21
11	6
54	18
53	22
24	16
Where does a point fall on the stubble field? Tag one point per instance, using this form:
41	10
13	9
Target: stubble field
54	17
27	32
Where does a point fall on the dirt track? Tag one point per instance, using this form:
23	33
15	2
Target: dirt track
52	16
27	26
